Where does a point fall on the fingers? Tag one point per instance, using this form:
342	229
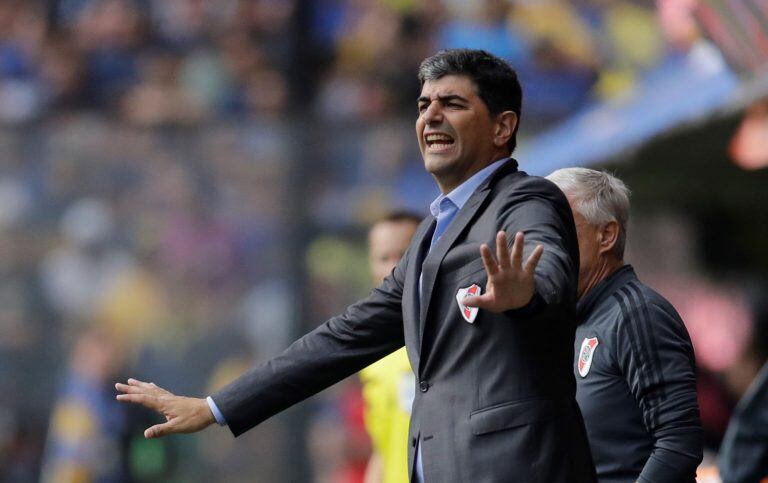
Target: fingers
135	386
517	250
125	388
491	267
479	301
144	399
159	430
533	260
508	259
144	385
502	253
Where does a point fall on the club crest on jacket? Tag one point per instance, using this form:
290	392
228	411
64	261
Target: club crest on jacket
469	313
586	353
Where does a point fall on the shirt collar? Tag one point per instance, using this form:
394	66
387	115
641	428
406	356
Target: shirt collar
462	193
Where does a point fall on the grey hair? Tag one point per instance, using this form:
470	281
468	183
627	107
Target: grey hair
599	197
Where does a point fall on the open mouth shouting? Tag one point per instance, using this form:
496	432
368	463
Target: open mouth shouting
438	142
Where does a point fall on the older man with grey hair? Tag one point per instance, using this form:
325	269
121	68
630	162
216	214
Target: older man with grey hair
634	365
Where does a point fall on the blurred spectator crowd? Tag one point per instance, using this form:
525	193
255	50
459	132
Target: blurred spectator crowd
152	156
157	62
127	248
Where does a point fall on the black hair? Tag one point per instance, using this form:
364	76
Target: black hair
496	81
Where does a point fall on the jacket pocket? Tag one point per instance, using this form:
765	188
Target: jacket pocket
511	414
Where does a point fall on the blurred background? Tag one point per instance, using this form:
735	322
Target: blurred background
185	187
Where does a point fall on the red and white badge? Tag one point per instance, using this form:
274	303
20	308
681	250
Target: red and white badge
469	313
586	354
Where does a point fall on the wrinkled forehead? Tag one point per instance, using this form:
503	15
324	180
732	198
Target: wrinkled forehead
448	85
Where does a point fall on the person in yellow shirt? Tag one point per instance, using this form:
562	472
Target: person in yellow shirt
388	384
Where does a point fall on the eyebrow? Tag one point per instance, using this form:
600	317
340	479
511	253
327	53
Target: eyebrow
445	98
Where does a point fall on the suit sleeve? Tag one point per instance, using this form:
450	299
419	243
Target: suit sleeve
364	333
656	358
540	210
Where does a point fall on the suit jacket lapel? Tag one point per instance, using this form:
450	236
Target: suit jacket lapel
435	257
421	240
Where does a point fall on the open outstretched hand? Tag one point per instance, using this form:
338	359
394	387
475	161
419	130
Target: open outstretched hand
511	283
182	414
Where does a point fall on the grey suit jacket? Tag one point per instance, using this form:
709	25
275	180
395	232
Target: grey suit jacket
495	399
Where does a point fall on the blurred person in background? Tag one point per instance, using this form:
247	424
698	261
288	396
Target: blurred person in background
389	383
88	430
465	426
29	343
86	261
743	455
635	367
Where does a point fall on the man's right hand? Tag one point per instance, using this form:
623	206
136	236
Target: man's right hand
511	283
182	414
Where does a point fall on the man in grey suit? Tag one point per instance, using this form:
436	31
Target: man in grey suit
490	338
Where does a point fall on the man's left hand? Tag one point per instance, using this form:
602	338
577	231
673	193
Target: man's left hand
510	282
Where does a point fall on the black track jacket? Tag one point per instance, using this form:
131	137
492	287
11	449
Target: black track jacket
636	384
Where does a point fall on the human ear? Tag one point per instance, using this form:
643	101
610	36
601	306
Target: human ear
506	122
608	236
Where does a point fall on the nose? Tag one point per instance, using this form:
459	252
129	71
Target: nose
432	113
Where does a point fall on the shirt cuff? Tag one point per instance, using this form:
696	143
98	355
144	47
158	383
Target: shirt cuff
216	413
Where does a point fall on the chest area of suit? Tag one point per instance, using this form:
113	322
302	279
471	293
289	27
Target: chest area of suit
456	254
439	273
444	276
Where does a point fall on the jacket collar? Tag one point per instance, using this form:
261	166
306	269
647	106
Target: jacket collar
461	194
604	289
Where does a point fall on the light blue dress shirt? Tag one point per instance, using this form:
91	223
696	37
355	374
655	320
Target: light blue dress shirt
443	208
216	413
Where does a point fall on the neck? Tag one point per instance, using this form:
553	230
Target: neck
602	270
446	184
